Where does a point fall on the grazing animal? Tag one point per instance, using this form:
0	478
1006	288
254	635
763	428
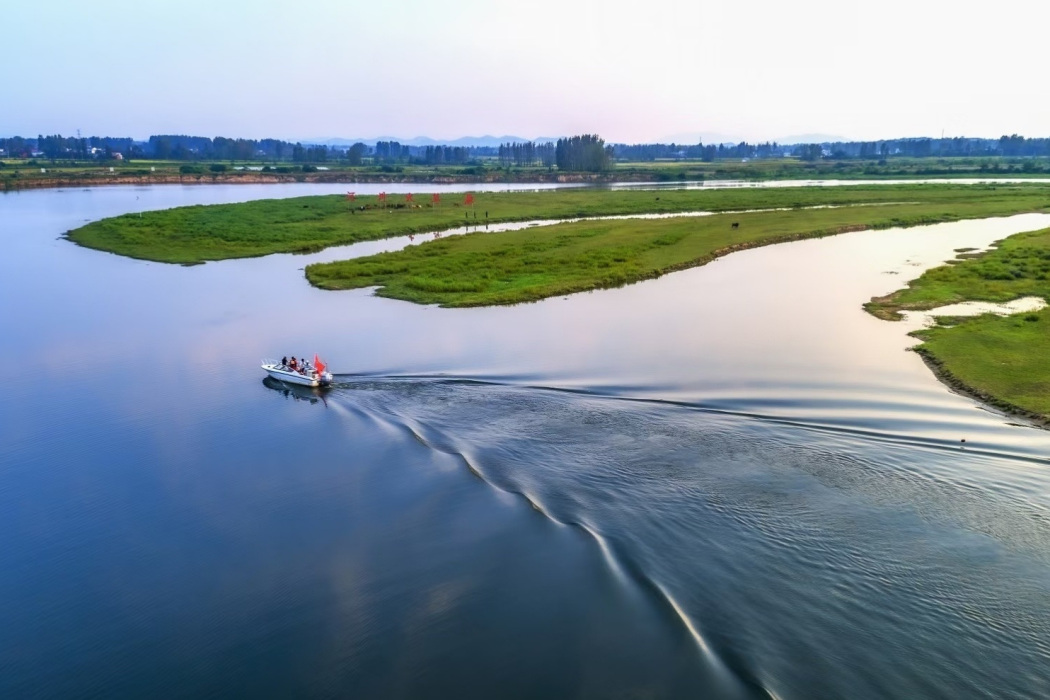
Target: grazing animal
736	224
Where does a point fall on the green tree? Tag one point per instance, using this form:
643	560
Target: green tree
583	153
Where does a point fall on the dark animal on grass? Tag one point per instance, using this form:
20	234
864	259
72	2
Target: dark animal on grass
736	224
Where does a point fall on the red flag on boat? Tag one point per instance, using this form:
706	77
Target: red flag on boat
469	199
320	366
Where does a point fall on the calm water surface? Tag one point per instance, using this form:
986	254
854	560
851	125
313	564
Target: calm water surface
762	184
728	482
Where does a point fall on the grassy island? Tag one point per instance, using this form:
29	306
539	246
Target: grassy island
547	261
1001	360
535	263
197	234
1004	361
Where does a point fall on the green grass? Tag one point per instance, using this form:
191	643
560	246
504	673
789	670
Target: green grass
1018	266
196	234
1004	361
793	168
520	266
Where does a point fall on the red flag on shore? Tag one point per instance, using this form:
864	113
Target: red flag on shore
318	365
350	196
435	198
469	199
408	197
382	197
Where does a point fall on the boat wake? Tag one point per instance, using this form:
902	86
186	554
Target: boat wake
990	449
746	528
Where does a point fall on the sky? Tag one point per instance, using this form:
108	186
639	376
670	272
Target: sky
632	72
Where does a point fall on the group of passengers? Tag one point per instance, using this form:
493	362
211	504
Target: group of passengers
301	366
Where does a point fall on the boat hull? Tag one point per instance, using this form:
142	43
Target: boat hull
292	377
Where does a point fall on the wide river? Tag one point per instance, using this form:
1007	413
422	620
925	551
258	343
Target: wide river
729	482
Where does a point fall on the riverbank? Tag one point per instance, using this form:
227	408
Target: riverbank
34	174
946	376
1003	361
189	235
96	179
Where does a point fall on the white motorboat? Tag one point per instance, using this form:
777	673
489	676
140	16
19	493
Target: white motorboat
305	374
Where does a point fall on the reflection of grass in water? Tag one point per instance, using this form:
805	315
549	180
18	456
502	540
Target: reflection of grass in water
306	224
1004	361
536	263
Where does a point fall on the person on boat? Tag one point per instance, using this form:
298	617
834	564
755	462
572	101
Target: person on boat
293	364
284	362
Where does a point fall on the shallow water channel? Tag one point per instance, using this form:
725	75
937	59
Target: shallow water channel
727	482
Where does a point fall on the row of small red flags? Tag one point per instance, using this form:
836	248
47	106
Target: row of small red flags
436	198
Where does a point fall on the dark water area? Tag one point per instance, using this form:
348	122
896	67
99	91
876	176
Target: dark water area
729	482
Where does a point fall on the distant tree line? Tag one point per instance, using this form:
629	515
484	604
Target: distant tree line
526	153
447	155
201	148
809	151
1009	146
586	153
392	151
56	146
395	152
673	151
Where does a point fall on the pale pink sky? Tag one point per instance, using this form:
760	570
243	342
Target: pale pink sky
630	71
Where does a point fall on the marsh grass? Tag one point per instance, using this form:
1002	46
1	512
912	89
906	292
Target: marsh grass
1017	266
536	263
1002	360
306	224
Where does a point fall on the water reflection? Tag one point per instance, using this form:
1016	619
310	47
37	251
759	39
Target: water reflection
297	392
727	482
976	308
